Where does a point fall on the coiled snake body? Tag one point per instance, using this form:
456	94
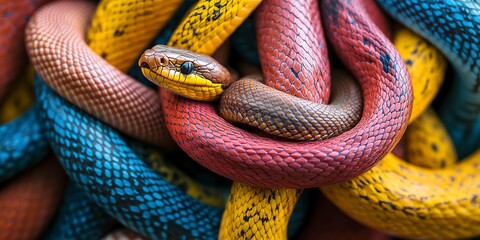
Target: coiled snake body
245	157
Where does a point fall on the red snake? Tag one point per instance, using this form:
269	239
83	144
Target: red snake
29	201
259	161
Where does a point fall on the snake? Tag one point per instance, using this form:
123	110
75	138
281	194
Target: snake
445	203
452	26
248	158
134	108
28	200
154	66
241	197
161	231
78	217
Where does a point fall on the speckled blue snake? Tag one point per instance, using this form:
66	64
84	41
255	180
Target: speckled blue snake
454	27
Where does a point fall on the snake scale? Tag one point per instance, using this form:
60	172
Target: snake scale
239	163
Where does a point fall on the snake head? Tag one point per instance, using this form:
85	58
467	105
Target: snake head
192	75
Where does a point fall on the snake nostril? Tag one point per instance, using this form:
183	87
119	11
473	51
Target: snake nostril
144	65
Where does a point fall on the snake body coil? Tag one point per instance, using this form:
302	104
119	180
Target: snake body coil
259	161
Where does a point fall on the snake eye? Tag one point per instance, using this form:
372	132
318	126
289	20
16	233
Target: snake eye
186	68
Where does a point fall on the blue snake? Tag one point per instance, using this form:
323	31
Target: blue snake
100	162
23	144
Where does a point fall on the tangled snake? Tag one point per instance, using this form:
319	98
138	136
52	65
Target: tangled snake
273	163
167	118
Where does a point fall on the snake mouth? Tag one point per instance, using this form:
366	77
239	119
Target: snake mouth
192	87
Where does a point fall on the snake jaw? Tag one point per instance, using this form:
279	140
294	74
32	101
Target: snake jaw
192	87
162	66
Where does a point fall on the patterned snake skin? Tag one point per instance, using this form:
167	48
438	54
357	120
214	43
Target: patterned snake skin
453	26
166	211
132	108
25	145
248	158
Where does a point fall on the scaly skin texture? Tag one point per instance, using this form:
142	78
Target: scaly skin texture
452	26
428	144
23	143
78	217
244	217
209	23
14	16
420	57
117	179
291	117
205	80
208	195
426	65
29	201
260	213
294	59
248	158
57	48
120	40
413	202
135	190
